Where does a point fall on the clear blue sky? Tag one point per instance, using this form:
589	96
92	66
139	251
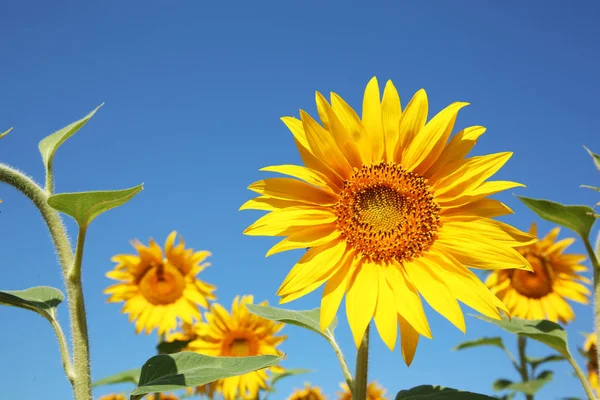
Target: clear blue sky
194	92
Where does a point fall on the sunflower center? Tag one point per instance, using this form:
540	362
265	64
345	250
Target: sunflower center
536	284
239	347
387	213
162	284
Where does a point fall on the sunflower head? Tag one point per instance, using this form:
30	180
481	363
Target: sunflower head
112	396
238	333
374	392
308	393
543	292
158	288
391	210
590	349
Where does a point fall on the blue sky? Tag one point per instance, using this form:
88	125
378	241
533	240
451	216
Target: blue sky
194	92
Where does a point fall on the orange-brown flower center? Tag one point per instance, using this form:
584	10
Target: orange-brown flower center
536	284
162	284
387	213
239	345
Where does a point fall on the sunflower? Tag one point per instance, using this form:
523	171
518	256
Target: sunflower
308	393
542	294
590	348
390	210
162	396
157	290
374	392
238	334
112	396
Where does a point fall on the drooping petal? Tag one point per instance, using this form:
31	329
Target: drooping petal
361	299
410	339
386	312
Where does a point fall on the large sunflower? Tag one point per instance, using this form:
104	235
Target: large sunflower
590	348
157	290
390	210
238	334
374	392
542	294
308	393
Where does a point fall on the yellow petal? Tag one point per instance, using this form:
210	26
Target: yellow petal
391	112
412	121
353	125
435	292
361	299
460	145
293	189
481	208
429	143
488	228
310	237
385	312
314	264
483	190
308	175
334	290
281	221
410	339
371	119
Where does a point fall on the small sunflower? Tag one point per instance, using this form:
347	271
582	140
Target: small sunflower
374	392
159	289
112	396
390	210
308	393
238	334
556	277
590	348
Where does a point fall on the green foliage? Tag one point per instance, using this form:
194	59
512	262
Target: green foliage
428	392
577	218
501	384
50	144
531	386
308	319
594	156
537	361
132	375
174	346
485	341
187	369
85	206
549	333
42	300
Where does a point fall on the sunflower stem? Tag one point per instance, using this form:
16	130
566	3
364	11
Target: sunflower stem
586	384
343	363
522	343
594	256
39	198
359	388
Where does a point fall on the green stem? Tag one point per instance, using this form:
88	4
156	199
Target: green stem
49	179
522	343
596	267
81	347
586	385
362	369
343	364
64	351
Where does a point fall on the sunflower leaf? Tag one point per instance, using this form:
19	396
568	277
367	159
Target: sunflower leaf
132	375
577	218
276	377
85	206
174	346
308	319
51	143
428	392
537	361
501	384
188	369
594	156
532	386
485	341
549	333
41	299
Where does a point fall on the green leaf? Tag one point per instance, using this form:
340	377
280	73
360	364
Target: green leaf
276	377
595	157
537	361
50	144
485	341
132	375
428	392
532	386
308	319
501	384
576	218
85	206
42	300
549	333
172	347
188	369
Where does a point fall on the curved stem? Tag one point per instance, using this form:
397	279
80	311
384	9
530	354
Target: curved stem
522	343
343	363
596	267
586	385
362	369
64	351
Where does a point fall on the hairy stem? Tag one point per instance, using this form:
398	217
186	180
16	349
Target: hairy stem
362	369
522	343
586	385
343	363
64	352
596	267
